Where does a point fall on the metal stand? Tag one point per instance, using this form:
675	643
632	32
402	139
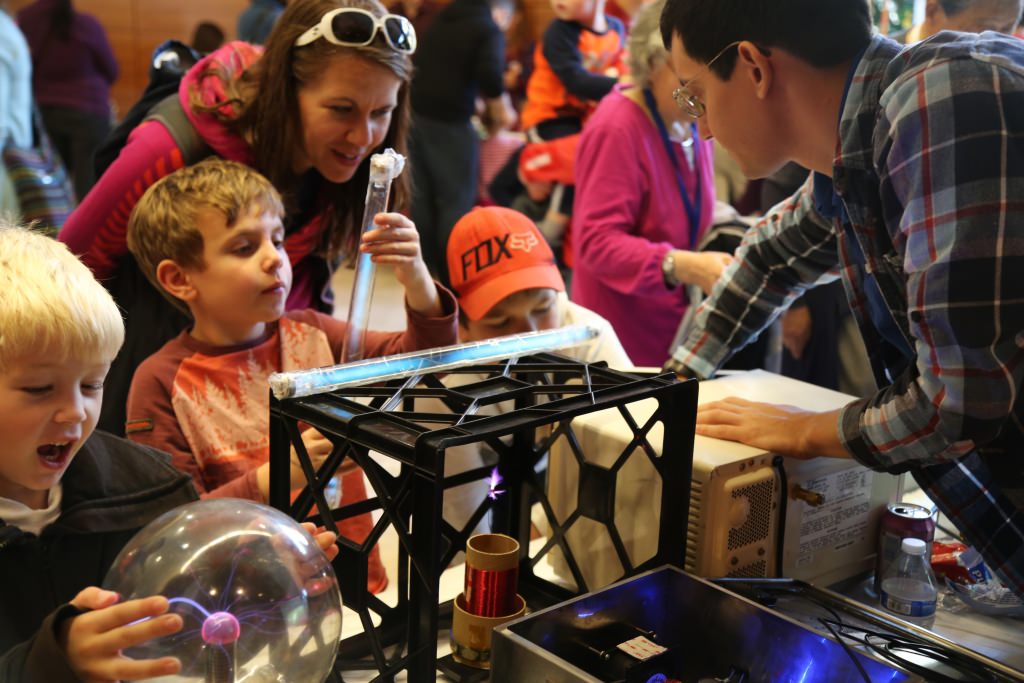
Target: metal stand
220	663
548	391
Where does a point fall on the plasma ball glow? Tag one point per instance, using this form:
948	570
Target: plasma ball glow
220	628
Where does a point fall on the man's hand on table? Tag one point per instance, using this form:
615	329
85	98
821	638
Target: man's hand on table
781	429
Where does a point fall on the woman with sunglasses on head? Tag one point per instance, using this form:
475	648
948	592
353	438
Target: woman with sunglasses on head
329	89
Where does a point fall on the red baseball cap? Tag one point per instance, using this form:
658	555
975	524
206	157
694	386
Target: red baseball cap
494	252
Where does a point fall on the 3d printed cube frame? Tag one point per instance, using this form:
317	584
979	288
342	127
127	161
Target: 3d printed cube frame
536	398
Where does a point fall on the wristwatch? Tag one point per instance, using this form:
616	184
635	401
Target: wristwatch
668	269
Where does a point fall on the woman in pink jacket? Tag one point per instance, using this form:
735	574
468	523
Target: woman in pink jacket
644	196
307	112
330	90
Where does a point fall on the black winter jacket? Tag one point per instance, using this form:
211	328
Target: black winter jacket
111	490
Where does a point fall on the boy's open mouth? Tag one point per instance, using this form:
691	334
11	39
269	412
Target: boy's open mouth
54	455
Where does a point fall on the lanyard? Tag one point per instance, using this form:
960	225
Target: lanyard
693	206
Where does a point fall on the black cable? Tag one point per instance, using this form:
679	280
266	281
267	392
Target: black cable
853	657
954	660
888	642
979	672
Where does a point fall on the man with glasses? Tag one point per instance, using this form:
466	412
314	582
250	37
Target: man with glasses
918	166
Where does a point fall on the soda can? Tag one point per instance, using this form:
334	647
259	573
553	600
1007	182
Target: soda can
901	520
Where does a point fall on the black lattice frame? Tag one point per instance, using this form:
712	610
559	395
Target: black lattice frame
406	638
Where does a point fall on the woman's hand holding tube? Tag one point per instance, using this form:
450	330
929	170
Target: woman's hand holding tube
396	241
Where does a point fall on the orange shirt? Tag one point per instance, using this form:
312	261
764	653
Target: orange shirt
574	67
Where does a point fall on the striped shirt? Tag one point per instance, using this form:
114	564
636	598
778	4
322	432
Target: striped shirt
929	167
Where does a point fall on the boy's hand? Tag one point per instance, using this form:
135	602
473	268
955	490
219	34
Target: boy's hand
396	241
318	447
327	540
93	641
536	190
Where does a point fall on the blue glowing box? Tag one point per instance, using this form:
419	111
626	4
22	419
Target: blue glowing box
707	633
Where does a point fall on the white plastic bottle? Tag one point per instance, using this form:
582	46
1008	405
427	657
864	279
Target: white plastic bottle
908	585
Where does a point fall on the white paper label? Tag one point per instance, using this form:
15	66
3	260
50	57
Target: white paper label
841	520
641	648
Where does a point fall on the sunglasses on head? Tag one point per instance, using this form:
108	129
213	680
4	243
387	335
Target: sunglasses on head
356	27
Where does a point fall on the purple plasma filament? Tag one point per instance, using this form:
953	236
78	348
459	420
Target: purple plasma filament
220	628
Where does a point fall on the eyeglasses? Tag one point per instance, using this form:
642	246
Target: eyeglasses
356	27
692	105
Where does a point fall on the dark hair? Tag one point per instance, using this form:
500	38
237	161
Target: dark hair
267	96
823	33
207	37
62	18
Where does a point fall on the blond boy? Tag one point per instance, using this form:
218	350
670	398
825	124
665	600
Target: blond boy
69	497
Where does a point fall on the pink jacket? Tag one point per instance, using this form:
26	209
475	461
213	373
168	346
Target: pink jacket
96	229
627	215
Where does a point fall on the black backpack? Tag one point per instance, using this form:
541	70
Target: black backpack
171	60
153	321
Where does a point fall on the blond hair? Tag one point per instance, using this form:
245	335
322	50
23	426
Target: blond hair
163	223
51	302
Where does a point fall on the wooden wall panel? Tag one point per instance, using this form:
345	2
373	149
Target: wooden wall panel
135	27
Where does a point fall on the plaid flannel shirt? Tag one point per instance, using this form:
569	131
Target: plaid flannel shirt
930	169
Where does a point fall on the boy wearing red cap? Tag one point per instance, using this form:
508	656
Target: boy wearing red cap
506	282
505	279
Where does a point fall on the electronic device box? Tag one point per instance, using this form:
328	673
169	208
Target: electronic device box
752	513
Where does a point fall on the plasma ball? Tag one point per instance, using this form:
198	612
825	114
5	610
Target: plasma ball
221	628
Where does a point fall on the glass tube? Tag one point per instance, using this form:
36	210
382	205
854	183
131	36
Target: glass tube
322	380
384	168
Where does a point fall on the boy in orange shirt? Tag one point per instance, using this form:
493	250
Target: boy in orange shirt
210	237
